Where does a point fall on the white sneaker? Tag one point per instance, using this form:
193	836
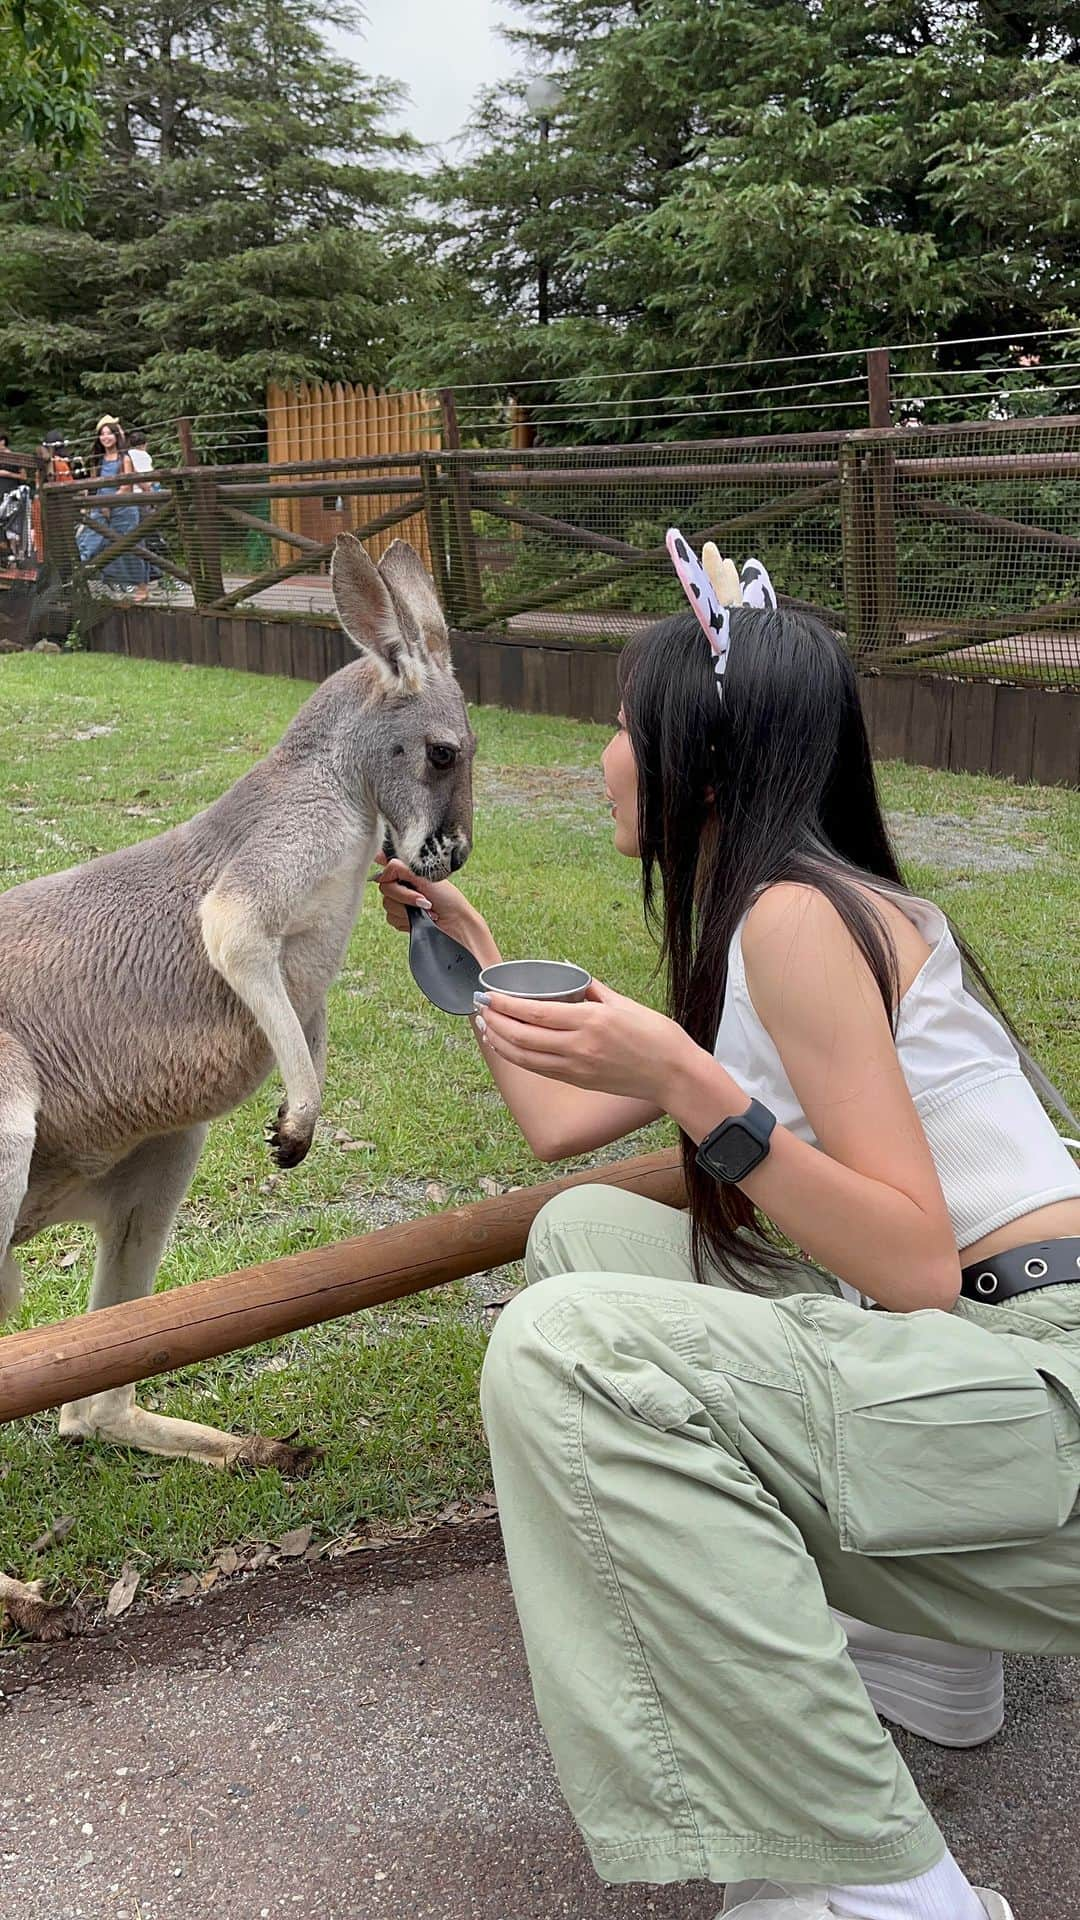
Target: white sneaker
768	1900
952	1695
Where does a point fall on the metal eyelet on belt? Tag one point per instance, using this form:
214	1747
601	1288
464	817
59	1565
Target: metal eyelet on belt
1035	1269
986	1284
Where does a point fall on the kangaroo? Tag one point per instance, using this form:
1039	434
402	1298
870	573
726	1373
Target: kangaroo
151	990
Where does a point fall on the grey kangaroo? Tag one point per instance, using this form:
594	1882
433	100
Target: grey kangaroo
151	990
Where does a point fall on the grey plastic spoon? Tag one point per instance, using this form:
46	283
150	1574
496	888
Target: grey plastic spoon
444	970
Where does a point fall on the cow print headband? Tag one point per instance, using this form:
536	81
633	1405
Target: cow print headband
713	587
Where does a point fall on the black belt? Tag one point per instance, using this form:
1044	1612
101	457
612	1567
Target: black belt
1042	1263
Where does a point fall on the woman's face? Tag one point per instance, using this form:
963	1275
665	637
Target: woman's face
107	436
620	785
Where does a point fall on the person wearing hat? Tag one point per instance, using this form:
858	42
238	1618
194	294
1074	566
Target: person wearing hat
110	460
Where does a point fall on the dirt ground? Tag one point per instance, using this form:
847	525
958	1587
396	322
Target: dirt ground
358	1742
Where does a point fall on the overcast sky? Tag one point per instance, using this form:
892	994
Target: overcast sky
442	50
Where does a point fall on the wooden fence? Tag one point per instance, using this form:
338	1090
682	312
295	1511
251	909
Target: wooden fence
315	424
964	726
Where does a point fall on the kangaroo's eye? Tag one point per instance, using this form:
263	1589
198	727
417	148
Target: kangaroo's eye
442	757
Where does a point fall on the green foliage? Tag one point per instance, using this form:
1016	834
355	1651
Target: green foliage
50	58
760	178
240	223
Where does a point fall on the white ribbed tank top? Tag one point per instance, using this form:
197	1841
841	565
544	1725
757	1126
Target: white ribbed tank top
996	1150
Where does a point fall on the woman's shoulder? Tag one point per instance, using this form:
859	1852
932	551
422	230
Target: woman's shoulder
795	936
792	907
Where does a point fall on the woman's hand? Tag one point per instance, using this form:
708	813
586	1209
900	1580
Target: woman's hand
606	1042
448	907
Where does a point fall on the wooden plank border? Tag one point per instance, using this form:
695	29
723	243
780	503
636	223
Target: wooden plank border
962	726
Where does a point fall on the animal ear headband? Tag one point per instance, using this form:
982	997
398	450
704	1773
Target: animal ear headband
713	587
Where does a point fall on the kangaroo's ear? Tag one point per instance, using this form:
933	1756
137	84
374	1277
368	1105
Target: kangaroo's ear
367	610
403	571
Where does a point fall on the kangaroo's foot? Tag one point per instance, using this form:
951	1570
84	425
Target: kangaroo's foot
290	1135
115	1417
21	1602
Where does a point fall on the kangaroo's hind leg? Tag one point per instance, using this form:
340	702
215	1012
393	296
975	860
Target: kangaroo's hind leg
18	1130
135	1208
19	1599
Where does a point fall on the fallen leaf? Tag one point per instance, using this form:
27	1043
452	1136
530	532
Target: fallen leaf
436	1193
489	1186
500	1301
123	1592
208	1579
261	1557
228	1560
53	1535
358	1146
68	1259
292	1545
187	1586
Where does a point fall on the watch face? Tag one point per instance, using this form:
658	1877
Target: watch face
736	1154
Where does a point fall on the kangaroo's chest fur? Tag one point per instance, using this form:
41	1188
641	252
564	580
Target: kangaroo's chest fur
106	982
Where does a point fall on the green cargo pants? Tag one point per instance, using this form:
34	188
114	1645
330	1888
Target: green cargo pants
688	1475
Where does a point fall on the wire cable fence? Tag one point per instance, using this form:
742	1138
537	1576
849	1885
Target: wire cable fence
949	546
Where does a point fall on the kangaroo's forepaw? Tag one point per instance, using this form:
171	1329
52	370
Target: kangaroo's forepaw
290	1135
295	1463
21	1602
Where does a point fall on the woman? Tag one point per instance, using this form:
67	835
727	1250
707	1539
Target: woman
689	1474
110	460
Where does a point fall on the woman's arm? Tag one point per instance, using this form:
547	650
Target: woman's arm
557	1121
867	1205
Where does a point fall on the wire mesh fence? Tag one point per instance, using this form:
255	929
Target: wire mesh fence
950	549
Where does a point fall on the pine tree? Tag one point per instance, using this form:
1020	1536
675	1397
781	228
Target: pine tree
766	178
242	224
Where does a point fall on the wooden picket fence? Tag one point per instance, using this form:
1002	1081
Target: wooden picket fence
345	422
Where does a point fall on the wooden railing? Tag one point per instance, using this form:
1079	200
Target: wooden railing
572	535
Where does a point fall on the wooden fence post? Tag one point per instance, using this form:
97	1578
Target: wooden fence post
885	631
466	593
199	523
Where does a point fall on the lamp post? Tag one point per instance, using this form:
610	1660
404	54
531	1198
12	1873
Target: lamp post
543	97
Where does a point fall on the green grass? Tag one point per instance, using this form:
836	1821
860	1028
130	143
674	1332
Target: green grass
391	1394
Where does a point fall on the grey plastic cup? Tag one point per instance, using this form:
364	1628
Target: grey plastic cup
536	980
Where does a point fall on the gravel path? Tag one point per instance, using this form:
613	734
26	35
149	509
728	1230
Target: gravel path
359	1743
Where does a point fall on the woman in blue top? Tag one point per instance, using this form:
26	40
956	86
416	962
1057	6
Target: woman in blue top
110	460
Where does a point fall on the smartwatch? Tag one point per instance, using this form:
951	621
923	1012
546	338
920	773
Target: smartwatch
737	1145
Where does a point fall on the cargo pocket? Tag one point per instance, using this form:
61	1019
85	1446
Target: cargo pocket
945	1439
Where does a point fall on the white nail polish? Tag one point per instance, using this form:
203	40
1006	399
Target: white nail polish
481	1024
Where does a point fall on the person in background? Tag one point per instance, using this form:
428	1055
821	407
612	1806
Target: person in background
140	459
143	463
110	460
14	507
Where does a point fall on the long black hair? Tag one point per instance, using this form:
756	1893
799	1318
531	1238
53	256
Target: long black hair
773	782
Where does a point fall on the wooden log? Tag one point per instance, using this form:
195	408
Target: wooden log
465	574
877	379
992	523
313	549
515	479
268	527
408	482
124	542
46	1366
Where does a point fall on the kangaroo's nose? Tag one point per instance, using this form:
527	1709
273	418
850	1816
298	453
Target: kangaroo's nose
458	856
